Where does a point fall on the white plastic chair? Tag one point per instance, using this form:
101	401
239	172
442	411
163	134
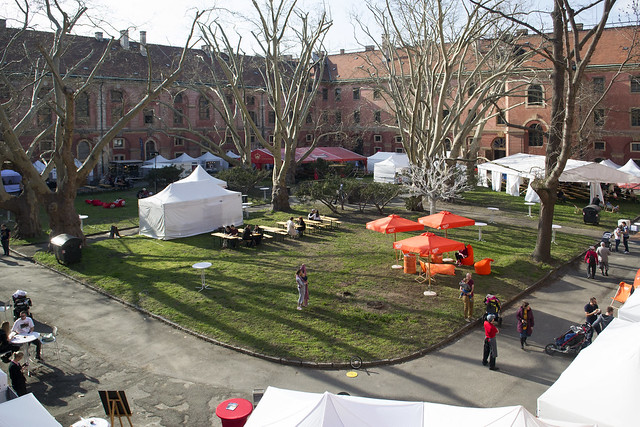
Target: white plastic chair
54	335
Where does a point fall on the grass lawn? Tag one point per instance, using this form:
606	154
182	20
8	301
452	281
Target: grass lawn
358	304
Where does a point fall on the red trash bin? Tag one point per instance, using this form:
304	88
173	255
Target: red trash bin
234	412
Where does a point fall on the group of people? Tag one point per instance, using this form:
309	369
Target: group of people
252	237
144	193
597	258
296	227
595	318
302	282
524	326
621	232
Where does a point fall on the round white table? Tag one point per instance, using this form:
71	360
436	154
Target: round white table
480	225
264	192
529	204
82	218
554	227
202	266
92	422
493	211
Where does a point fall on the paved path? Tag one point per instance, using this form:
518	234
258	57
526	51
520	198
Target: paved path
173	379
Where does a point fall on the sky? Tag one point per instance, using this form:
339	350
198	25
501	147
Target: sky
167	21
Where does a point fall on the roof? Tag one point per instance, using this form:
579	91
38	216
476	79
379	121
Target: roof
329	154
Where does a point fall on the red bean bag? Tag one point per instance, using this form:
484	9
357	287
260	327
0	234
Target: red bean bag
119	203
88	201
96	202
469	259
483	267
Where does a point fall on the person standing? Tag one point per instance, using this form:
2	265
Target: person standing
18	381
5	235
617	234
625	236
525	323
305	299
591	312
466	291
301	288
490	351
591	258
603	258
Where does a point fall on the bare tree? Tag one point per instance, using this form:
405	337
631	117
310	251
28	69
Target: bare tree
53	82
434	181
289	84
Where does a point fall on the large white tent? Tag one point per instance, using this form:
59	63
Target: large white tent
209	158
199	174
156	163
184	162
283	408
25	411
390	169
191	206
601	385
379	157
630	167
610	163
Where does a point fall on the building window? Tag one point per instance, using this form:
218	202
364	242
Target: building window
598	84
399	139
178	98
117	105
635	117
148	117
534	95
229	99
325	93
178	142
271	139
84	148
338	94
356	93
500	118
356	117
599	145
377	94
118	142
445	114
338	117
251	100
203	108
118	157
177	116
377	138
309	118
399	150
598	117
46	146
635	146
324	117
536	137
82	108
309	137
376	116
447	144
377	149
177	154
471	89
252	116
271	117
635	84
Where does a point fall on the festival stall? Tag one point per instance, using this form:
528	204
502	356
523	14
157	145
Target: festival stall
379	157
391	169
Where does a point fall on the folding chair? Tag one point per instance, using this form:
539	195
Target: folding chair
52	338
422	274
623	292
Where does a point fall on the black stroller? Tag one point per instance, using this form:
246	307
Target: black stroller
572	341
591	214
21	303
606	239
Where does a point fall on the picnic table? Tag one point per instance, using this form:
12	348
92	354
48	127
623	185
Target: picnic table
221	237
331	220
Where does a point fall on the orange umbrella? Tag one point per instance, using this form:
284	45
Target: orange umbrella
394	224
445	220
427	244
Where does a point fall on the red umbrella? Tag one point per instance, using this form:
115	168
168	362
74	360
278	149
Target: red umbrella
445	220
394	224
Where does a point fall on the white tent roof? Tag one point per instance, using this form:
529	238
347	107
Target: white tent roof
380	156
156	160
386	170
183	158
630	167
25	411
199	174
39	165
581	393
232	155
283	408
187	190
610	164
209	157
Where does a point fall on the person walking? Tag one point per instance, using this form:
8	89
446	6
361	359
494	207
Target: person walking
490	351
617	235
625	236
305	299
466	292
525	323
5	235
591	258
603	258
301	288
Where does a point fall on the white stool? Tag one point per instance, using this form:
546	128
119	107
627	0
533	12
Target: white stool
493	211
480	225
202	266
554	227
529	204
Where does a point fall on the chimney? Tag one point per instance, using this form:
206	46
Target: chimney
341	51
143	43
579	26
369	48
124	39
3	24
98	36
521	32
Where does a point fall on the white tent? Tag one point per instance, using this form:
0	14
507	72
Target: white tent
156	163
199	174
25	411
39	165
379	157
630	167
11	181
601	385
232	155
218	162
610	164
191	206
283	408
389	169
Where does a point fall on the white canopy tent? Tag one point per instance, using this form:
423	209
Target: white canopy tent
581	393
217	162
630	167
232	155
25	411
191	206
184	162
610	164
199	174
529	166
156	163
283	408
389	170
379	157
11	181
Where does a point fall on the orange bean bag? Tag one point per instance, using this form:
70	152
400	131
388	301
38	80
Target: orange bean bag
624	291
436	259
433	269
469	259
483	267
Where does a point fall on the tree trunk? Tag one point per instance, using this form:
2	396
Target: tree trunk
280	196
63	217
25	207
548	196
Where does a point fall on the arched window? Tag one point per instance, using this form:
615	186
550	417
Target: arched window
82	108
536	135
447	144
83	150
150	149
178	109
534	95
203	108
499	147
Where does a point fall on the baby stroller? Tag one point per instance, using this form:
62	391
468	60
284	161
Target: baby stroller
21	303
492	306
591	214
606	239
572	341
